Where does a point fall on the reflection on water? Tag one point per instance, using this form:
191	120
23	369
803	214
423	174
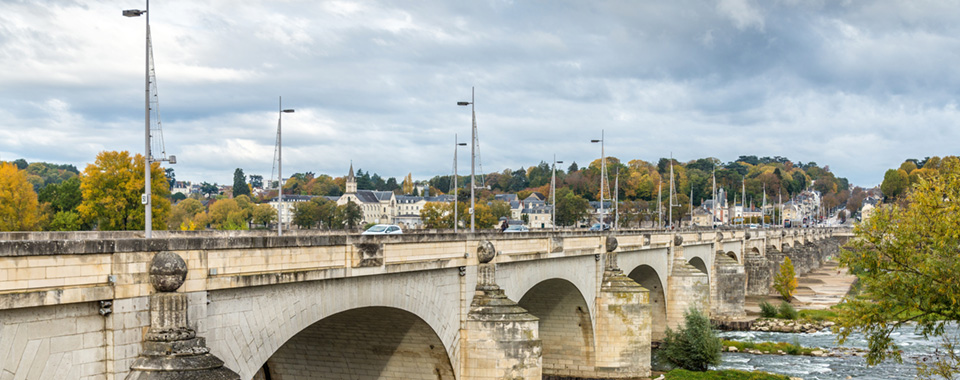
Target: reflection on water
822	368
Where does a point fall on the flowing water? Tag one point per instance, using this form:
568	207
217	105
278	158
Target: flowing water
914	346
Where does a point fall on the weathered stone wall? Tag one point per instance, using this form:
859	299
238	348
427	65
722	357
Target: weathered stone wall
246	326
368	343
566	328
251	293
647	277
759	276
730	280
623	328
53	342
687	287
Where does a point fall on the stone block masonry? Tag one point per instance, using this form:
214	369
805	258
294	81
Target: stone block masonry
77	305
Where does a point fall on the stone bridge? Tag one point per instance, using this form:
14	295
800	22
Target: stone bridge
438	306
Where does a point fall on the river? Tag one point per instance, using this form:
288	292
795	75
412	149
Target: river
913	345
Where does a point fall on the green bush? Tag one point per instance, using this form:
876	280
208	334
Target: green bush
787	311
730	374
694	346
767	310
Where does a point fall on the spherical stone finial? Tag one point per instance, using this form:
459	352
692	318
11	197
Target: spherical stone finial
677	240
719	236
167	271
486	252
611	243
747	235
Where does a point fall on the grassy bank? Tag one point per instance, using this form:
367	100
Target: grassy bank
769	347
681	374
818	315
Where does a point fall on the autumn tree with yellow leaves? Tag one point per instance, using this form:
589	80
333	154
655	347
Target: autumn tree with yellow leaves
18	201
111	190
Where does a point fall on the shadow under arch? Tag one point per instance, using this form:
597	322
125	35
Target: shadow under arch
648	277
565	328
733	255
700	265
363	343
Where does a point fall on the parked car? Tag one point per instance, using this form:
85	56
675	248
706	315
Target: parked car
599	227
383	229
517	228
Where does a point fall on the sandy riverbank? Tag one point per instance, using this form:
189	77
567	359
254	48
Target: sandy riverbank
821	288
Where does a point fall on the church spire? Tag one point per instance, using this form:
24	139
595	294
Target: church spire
351	185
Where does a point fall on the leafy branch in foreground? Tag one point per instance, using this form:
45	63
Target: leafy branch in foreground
907	257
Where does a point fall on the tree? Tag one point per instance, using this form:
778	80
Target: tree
230	214
785	281
437	215
500	209
907	259
694	346
171	177
407	184
183	213
112	187
63	196
895	183
256	181
18	201
350	215
306	214
209	189
264	214
240	183
571	208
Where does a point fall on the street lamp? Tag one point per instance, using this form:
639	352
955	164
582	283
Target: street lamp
280	166
553	190
456	151
473	155
147	198
603	173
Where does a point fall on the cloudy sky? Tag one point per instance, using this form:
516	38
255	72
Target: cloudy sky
856	85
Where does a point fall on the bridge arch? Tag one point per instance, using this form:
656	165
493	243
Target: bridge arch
253	323
368	342
697	262
733	255
647	276
566	327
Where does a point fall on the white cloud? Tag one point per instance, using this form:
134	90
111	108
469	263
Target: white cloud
743	14
856	86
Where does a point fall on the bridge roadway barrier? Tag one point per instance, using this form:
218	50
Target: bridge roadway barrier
421	305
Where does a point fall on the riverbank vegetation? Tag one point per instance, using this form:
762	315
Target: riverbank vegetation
771	348
907	259
730	374
693	346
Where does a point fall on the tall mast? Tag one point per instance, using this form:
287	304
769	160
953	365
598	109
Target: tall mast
616	201
659	206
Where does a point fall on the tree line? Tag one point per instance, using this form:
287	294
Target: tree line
106	195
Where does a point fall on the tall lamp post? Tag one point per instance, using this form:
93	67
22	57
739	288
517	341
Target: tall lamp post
553	190
473	154
280	166
603	173
456	152
147	197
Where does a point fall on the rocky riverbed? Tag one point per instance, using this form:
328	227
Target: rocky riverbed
789	326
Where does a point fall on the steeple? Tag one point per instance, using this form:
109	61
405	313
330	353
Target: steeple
351	181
